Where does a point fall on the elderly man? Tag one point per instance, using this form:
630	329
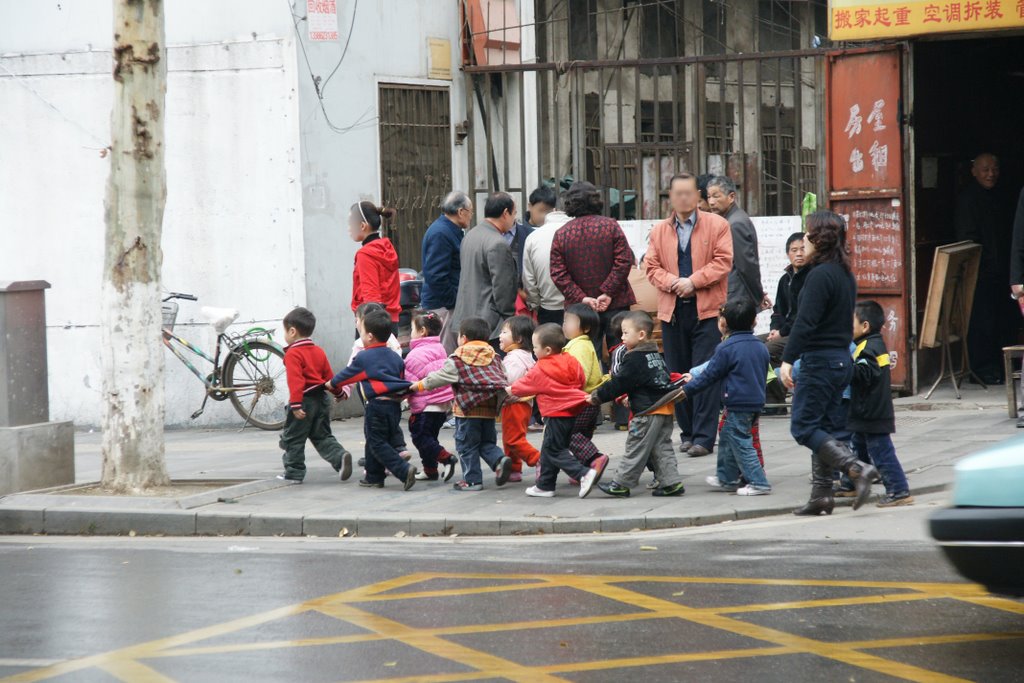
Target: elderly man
440	253
745	278
688	261
984	214
489	280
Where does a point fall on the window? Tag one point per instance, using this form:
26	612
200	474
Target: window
582	29
719	124
658	124
659	32
778	26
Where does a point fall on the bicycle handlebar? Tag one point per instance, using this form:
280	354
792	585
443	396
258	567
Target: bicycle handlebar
179	295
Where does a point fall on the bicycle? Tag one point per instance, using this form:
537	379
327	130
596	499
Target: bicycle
252	376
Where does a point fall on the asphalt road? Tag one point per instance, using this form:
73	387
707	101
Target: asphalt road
863	597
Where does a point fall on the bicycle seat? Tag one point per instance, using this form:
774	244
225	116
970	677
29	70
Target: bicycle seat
219	318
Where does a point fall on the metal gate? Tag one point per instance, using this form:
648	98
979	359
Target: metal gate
415	161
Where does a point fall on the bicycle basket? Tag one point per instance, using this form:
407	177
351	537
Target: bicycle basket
170	313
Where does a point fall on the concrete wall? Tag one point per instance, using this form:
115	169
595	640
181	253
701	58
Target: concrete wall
258	185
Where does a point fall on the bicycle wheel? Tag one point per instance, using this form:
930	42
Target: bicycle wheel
254	379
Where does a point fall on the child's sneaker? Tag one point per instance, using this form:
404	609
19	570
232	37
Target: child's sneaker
888	501
502	470
371	484
592	477
410	478
666	491
749	490
424	476
539	493
515	477
449	467
346	466
654	484
714	483
466	486
289	481
614	489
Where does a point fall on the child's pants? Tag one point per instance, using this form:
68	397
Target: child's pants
755	434
879	449
649	441
555	455
515	418
581	443
736	454
317	428
380	422
424	428
476	438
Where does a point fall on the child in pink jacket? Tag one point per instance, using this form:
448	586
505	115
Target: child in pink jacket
428	409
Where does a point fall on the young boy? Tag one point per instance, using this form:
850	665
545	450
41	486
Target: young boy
644	378
380	373
309	414
741	364
557	381
872	418
477	378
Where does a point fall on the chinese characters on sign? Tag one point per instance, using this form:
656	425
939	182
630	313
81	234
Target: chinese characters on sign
322	17
857	20
879	152
875	245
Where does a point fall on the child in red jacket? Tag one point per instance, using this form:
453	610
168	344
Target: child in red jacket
375	277
309	417
557	381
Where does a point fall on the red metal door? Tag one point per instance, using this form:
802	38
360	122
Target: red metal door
865	182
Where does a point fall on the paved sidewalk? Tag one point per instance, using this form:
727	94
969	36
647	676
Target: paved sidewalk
928	444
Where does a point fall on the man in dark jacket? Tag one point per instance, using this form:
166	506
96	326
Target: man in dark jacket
440	256
784	311
745	278
872	417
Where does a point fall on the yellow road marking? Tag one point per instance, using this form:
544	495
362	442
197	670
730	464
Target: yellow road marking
131	671
450	592
825	602
996	603
912	641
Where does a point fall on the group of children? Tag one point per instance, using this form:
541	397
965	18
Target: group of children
557	367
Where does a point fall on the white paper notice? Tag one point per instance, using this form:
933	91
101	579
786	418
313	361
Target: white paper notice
322	17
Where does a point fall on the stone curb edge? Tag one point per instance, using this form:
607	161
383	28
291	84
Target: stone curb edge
120	522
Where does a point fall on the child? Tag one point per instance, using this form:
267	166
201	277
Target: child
375	273
309	416
557	381
644	377
397	439
872	418
477	377
580	322
516	341
741	364
381	377
427	410
620	413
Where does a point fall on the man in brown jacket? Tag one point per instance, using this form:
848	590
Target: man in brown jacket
688	260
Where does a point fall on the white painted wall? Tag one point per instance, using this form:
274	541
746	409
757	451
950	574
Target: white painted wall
258	185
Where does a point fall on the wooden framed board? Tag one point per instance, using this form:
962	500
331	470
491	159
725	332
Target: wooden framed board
956	265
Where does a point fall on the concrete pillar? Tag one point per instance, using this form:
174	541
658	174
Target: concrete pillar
34	452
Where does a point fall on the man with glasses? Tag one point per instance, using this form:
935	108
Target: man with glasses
489	279
440	256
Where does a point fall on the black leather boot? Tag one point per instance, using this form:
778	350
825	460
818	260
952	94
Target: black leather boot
838	455
821	500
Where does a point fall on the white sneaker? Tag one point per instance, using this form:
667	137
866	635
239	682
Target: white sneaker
713	481
539	493
749	490
588	482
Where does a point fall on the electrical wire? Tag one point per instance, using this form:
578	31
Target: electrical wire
344	51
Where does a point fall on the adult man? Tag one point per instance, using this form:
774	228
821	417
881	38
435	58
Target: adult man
440	255
983	215
542	295
688	260
784	312
488	281
745	278
541	201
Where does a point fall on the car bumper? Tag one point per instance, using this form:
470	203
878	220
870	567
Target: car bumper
985	545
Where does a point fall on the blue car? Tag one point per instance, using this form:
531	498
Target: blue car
983	533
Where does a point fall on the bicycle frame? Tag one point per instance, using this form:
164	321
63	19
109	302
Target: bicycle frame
179	342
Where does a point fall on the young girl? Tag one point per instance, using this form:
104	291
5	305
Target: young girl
580	321
516	340
427	409
620	413
375	276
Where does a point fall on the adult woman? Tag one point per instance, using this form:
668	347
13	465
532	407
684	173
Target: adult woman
375	275
820	339
591	259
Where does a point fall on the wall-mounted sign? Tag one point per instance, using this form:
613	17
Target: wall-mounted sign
860	20
322	18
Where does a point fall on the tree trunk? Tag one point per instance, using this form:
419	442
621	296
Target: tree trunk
132	355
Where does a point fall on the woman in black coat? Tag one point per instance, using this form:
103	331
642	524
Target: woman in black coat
820	339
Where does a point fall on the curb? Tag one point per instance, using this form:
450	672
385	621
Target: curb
99	521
